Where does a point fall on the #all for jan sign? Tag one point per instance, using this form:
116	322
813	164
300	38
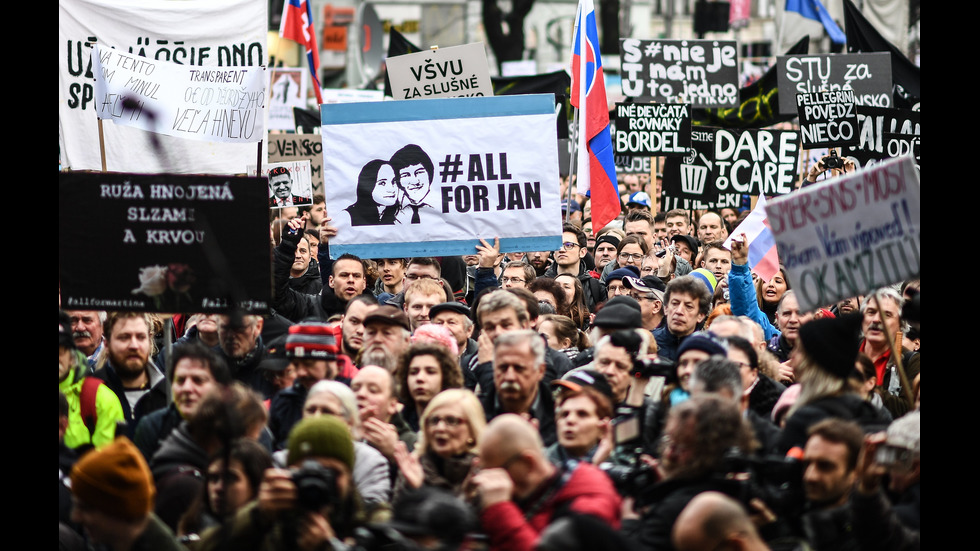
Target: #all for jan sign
432	177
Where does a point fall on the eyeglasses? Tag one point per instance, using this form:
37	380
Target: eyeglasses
506	279
631	256
451	420
569	245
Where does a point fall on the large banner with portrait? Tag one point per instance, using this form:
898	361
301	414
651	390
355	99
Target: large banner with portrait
163	242
218	34
431	177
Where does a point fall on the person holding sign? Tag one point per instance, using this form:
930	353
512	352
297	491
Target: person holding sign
378	196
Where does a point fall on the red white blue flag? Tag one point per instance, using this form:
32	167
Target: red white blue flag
596	162
763	259
297	25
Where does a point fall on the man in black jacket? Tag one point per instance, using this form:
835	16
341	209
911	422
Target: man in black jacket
346	281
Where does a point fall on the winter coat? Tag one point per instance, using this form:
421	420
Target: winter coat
157	397
108	409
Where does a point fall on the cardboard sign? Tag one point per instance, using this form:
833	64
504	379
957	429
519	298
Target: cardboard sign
299	147
849	235
726	163
163	243
703	73
827	119
459	71
432	177
869	76
653	129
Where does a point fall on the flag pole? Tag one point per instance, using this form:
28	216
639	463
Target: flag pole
571	163
574	152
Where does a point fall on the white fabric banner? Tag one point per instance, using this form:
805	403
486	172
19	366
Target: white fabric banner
481	173
221	105
211	33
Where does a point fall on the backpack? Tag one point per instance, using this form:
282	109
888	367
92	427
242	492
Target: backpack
89	413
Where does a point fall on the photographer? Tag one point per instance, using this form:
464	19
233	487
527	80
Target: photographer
832	162
697	436
311	506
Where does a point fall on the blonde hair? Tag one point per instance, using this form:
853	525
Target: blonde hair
472	410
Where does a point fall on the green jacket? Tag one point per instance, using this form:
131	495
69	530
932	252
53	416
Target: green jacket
107	407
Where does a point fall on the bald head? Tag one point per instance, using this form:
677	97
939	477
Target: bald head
508	441
712	518
509	434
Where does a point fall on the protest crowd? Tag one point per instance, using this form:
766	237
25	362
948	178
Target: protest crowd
660	380
647	391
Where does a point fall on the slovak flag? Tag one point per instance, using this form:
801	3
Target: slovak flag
763	259
596	163
297	25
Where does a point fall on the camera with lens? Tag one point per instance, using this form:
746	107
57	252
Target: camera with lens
776	480
832	160
645	368
316	486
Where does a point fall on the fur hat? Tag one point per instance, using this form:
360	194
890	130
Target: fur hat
832	343
116	480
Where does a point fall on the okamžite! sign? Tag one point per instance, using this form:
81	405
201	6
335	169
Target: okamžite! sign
163	242
849	235
431	177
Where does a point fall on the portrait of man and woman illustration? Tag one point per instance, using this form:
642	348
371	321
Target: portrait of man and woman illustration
393	191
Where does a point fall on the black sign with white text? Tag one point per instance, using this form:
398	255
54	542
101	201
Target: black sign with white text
653	129
163	242
868	75
827	119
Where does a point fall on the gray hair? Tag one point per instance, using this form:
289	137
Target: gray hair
716	373
344	395
519	337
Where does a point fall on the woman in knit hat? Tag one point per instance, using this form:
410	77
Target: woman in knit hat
825	357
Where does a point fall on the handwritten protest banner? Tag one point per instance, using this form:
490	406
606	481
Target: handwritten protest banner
220	105
299	147
703	73
869	76
163	242
849	235
726	163
219	34
896	145
827	119
652	129
457	71
431	177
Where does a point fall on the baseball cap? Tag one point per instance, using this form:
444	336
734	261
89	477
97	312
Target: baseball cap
639	198
576	379
646	284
